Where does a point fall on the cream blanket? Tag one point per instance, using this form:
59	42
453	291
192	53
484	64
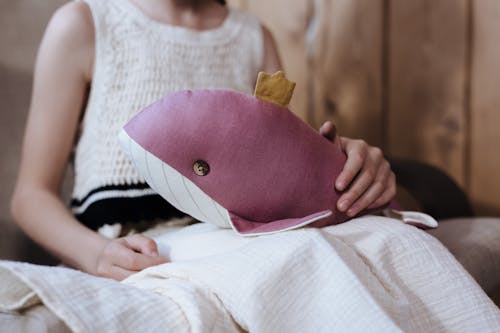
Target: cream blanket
372	274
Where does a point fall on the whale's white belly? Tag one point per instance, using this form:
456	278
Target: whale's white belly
180	191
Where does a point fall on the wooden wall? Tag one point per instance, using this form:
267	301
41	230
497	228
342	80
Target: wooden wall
22	23
484	116
420	78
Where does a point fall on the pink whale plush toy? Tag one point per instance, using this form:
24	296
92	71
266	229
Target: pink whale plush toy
239	161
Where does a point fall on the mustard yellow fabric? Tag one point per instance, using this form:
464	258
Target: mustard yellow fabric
274	88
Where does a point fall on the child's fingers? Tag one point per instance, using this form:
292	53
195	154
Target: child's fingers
356	151
119	273
389	193
328	130
130	260
142	244
356	190
368	197
374	191
118	260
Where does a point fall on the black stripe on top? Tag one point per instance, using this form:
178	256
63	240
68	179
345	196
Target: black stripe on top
138	186
123	208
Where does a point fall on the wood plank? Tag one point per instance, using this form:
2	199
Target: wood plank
288	21
427	82
242	4
333	50
485	107
22	24
346	67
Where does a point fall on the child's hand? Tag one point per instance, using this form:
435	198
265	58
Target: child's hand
367	176
125	256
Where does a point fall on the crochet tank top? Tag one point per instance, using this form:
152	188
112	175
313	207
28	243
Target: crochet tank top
137	61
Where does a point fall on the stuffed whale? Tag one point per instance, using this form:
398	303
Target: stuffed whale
240	161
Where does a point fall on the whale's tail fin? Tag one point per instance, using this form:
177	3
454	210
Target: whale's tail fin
246	227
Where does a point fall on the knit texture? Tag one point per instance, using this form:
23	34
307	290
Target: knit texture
137	61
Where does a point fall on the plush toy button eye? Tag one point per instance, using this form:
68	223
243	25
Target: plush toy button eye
201	168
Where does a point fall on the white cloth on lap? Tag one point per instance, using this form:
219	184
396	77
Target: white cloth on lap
371	274
37	319
91	304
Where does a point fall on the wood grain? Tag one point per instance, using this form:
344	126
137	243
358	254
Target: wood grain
346	66
427	82
332	49
22	24
485	103
288	21
418	77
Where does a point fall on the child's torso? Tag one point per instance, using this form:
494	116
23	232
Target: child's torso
137	61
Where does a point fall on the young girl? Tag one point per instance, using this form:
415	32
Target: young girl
99	63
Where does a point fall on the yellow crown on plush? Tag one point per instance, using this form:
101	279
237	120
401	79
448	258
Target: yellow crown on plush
274	88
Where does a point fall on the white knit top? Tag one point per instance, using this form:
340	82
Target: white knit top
137	61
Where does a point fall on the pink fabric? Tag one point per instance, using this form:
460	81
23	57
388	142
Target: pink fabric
265	163
246	226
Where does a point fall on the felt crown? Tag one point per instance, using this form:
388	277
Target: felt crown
275	88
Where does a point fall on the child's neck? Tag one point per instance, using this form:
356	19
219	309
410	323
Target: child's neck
193	14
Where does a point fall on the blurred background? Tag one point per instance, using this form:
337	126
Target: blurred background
419	78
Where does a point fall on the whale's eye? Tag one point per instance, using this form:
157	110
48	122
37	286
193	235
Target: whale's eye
201	168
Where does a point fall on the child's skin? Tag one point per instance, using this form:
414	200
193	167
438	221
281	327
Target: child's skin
62	77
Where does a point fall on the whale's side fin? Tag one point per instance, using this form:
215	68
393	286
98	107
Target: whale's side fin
246	227
417	219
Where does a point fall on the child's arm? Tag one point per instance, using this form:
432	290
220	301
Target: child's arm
271	62
367	176
62	74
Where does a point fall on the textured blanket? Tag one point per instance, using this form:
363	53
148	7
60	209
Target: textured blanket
371	274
